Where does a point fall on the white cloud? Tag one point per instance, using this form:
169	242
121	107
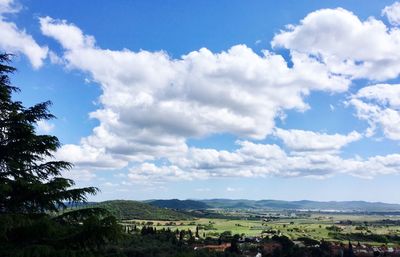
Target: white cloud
379	105
55	59
45	126
79	175
392	12
306	141
233	189
15	40
8	6
253	160
384	94
345	44
149	174
151	103
109	184
88	156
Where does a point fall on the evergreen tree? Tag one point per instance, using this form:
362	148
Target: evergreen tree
32	189
30	180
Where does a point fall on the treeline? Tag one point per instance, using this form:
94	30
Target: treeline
364	237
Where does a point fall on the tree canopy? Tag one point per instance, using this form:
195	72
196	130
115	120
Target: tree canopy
33	190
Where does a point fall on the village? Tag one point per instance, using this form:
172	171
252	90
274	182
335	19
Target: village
258	247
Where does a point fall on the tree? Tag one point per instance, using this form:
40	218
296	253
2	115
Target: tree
32	189
30	180
234	248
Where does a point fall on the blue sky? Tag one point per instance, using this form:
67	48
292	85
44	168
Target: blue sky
204	99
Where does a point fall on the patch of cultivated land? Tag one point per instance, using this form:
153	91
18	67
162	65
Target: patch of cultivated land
317	226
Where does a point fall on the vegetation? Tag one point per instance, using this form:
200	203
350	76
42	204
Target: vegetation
180	204
126	210
32	188
302	205
313	227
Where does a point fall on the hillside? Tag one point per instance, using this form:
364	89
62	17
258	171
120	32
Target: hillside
302	205
180	204
125	209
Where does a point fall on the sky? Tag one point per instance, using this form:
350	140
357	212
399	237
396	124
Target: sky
289	100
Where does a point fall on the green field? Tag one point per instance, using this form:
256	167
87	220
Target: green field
316	226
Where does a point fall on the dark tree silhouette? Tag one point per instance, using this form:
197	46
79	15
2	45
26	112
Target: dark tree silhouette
32	189
30	183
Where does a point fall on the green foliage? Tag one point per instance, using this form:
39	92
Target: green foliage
31	187
365	237
179	204
126	210
29	182
334	228
308	241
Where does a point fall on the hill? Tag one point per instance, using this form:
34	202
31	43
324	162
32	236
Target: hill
125	209
359	206
179	204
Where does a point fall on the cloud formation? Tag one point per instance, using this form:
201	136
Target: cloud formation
345	44
309	141
151	104
379	105
392	12
254	160
44	126
16	40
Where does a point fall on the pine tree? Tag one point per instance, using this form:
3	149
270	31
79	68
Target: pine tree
30	180
32	189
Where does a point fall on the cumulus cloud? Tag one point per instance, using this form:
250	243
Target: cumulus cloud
345	44
379	105
152	103
16	40
45	126
253	160
87	156
8	6
306	141
149	174
392	12
79	175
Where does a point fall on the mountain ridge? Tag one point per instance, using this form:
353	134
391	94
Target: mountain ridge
221	203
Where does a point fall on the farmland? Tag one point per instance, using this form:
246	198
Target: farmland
371	229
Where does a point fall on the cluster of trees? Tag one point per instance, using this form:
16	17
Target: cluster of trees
366	237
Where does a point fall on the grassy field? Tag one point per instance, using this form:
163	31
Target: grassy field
316	226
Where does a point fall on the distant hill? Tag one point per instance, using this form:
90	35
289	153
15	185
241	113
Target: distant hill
361	206
179	204
175	209
125	209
